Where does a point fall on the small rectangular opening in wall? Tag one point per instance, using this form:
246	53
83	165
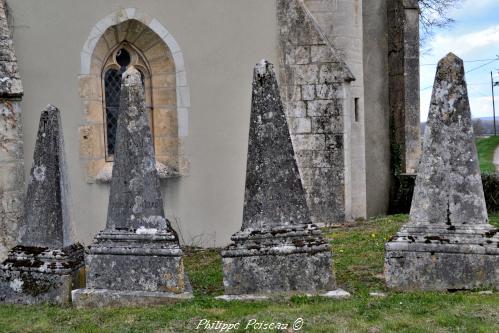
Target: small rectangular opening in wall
356	109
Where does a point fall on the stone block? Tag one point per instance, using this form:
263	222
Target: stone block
433	267
24	287
164	80
306	74
324	108
334	142
330	73
327	91
321	5
308	92
11	176
101	50
299	125
296	109
136	271
92	141
93	110
165	123
322	54
158	51
89	87
309	141
163	65
327	125
164	97
37	275
261	274
134	30
302	55
110	36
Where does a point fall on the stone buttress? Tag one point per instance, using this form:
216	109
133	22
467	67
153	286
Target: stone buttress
278	249
448	243
46	265
11	141
137	259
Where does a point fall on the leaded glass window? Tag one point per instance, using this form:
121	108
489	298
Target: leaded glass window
116	65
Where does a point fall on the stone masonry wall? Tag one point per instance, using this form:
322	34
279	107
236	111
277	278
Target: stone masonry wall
312	85
11	142
341	21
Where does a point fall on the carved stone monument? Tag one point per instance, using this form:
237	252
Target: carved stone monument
137	259
277	249
448	242
46	265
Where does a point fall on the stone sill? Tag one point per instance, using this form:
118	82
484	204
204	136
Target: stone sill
105	173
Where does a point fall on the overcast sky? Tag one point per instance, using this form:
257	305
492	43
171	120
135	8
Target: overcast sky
473	37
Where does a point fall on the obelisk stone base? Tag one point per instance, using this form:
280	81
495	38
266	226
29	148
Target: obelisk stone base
133	269
39	275
292	272
462	259
279	260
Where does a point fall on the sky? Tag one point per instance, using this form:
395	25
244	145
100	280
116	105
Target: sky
474	37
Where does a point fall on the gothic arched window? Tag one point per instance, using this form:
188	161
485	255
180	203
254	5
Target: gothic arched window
133	42
119	60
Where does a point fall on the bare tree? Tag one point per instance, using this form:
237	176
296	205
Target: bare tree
434	14
478	128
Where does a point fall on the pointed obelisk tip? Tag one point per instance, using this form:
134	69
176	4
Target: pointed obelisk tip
450	62
264	68
50	109
132	77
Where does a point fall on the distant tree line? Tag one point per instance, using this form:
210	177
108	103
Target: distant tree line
481	127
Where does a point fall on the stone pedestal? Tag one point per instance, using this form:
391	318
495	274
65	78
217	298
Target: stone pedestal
47	265
133	269
448	243
33	275
137	259
278	249
281	259
420	258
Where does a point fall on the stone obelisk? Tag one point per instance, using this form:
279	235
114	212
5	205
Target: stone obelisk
137	259
448	243
278	249
46	265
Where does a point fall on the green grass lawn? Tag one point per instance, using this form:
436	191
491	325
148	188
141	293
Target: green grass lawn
486	148
358	262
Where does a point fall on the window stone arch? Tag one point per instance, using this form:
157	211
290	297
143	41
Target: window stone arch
156	53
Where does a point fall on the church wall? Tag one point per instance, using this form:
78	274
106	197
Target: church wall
376	107
341	22
221	40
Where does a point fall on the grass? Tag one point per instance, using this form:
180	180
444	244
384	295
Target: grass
486	148
358	263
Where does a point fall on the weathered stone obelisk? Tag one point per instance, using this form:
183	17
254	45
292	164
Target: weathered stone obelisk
46	265
277	249
447	243
137	259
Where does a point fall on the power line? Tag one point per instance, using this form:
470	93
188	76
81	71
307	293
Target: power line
471	70
477	60
474	69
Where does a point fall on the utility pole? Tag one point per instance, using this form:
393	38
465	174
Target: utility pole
493	101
